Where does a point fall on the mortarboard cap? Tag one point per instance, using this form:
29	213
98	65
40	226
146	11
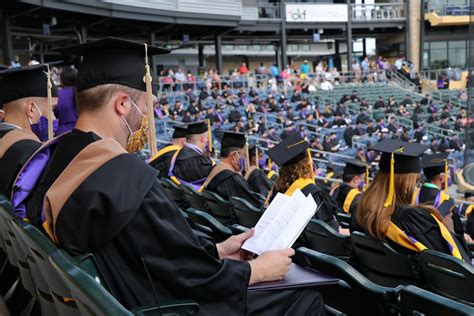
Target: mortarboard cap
180	131
398	157
354	166
468	194
406	155
24	82
233	140
293	146
197	128
111	60
253	150
434	164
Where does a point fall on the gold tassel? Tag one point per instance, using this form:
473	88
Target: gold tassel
209	135
311	164
256	156
391	190
50	104
446	175
366	177
149	105
247	156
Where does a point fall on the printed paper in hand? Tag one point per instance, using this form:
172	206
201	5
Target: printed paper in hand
282	222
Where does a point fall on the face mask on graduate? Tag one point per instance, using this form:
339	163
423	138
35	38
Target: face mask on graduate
261	162
41	128
137	140
361	185
241	163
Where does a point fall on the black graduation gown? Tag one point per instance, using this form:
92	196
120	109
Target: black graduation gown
62	153
328	210
228	183
340	195
163	163
191	166
259	182
133	223
13	160
428	196
419	224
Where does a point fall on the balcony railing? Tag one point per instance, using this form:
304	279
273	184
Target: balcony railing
378	12
455	8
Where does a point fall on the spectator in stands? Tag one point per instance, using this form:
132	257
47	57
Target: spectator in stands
393	125
243	70
456	143
362	117
357	71
407	100
349	132
379	104
359	130
402	111
386	211
433	118
326	85
354	97
370	130
305	68
404	137
261	70
364	104
66	110
190	81
273	70
399	63
364	65
425	100
178	108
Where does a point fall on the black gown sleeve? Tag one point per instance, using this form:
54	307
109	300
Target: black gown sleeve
182	265
259	182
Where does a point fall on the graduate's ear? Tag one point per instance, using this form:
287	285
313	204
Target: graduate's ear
30	109
121	103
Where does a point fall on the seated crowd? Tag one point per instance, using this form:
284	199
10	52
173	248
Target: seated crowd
88	192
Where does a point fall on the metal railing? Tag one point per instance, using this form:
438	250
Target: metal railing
378	12
403	81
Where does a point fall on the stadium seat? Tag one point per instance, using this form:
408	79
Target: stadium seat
194	198
40	248
416	301
448	276
245	213
42	289
207	224
323	238
382	264
93	299
175	193
343	219
219	207
355	295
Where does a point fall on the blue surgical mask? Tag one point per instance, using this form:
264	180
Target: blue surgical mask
41	128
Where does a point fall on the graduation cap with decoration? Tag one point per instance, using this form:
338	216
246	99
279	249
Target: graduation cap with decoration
294	146
29	81
356	167
398	158
117	61
180	130
436	164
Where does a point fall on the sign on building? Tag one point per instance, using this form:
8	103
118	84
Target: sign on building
296	12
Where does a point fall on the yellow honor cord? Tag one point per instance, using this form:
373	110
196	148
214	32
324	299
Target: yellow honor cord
150	111
311	164
50	104
446	173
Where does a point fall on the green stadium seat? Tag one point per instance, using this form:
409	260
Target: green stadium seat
344	219
245	213
416	301
323	238
355	295
382	264
218	207
194	198
207	224
93	299
448	276
175	192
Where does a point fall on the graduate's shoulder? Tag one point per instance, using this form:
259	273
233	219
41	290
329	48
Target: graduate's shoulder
410	214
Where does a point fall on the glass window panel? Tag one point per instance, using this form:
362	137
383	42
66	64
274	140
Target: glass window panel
438	55
457	54
305	47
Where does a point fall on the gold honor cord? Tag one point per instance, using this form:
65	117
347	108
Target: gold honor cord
50	103
149	105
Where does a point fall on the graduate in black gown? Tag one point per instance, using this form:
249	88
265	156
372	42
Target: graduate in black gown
296	172
225	178
256	177
467	211
348	193
434	190
23	96
162	159
386	211
191	165
110	203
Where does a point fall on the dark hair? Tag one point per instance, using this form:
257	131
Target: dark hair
349	177
68	76
226	151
